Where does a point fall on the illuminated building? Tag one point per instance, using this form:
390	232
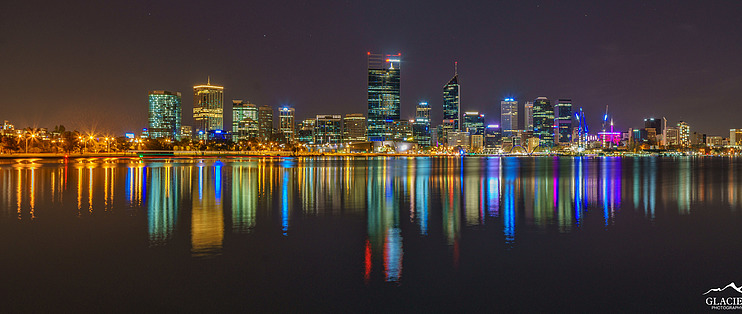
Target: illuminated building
683	134
509	116
244	120
164	114
208	107
458	139
286	123
697	138
477	143
305	131
735	137
671	137
354	128
421	126
543	121
186	132
328	129
265	123
492	136
401	130
474	123
563	121
383	95
528	118
714	141
451	104
652	129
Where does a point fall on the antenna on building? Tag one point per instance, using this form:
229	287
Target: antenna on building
455	68
208	80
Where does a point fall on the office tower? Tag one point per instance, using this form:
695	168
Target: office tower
684	134
354	128
383	94
735	137
528	118
401	130
421	126
474	123
543	121
305	131
328	129
244	120
671	137
208	107
452	104
286	123
492	136
265	123
164	114
563	121
509	116
653	128
714	141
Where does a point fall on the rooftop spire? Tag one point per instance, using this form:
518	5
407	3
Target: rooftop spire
455	68
208	80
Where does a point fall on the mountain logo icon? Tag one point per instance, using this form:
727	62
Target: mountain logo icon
729	286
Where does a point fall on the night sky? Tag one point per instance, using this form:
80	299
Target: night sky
89	65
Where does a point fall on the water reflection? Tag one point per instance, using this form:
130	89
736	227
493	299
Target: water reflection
435	199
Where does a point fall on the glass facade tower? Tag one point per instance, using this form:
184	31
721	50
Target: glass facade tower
543	121
383	95
164	114
452	105
244	120
421	125
509	116
563	123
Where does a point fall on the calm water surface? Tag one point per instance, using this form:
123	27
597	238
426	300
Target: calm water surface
360	235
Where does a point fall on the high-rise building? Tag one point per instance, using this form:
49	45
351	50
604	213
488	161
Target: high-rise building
164	114
735	137
452	105
492	136
563	121
286	123
509	116
328	129
421	126
402	130
684	134
474	123
528	116
543	121
383	94
186	132
305	131
208	108
354	128
244	120
671	137
265	123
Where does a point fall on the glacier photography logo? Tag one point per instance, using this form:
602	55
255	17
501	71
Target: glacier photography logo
726	298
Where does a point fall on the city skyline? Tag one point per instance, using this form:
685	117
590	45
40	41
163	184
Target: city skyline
595	56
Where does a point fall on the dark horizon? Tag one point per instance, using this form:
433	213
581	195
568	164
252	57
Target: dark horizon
90	65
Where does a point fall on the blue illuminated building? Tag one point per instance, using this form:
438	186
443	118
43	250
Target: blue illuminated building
383	95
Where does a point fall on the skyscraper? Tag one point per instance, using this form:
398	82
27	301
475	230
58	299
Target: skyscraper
383	95
684	134
563	121
244	120
528	116
354	128
208	107
421	126
265	123
509	116
164	114
328	129
474	123
543	121
305	131
452	104
286	123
